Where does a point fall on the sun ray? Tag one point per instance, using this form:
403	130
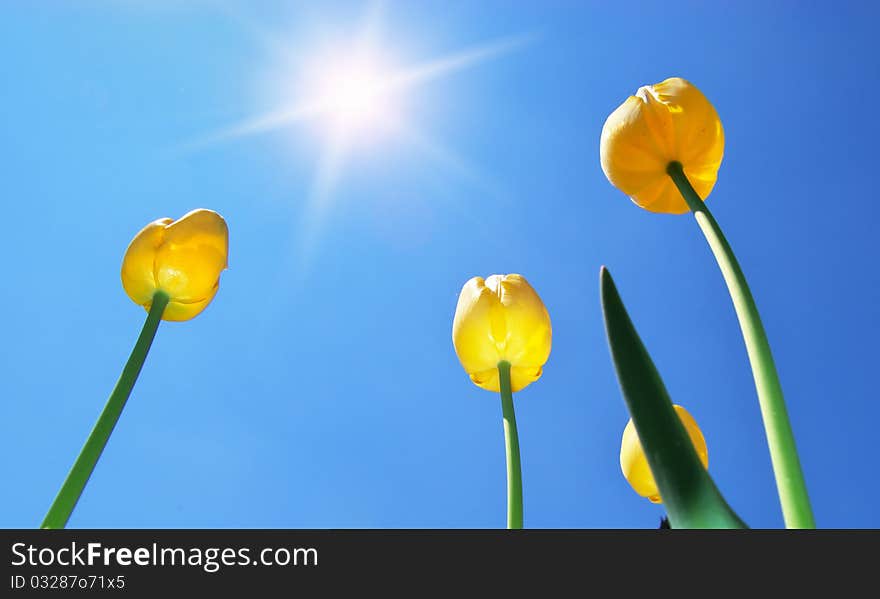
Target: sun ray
446	65
268	121
352	94
318	202
463	170
449	159
394	82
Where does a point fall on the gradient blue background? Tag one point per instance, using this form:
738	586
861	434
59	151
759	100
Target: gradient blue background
323	391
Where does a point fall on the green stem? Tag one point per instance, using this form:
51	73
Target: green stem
786	466
511	444
82	469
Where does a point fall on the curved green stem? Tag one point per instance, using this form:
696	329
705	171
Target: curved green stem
786	466
82	469
511	444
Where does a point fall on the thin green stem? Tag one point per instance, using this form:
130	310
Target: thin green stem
511	444
786	466
79	474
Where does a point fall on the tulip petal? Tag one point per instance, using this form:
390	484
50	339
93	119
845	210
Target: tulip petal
499	319
192	256
629	154
634	463
698	134
662	197
488	379
671	121
138	277
528	340
473	340
179	311
658	120
523	376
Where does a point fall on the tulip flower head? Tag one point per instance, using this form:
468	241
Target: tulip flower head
501	319
182	258
667	122
634	464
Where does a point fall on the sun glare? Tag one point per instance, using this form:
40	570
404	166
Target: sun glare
354	96
351	94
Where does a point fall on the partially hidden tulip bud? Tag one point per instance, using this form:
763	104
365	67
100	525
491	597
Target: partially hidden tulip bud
182	258
668	122
634	464
500	319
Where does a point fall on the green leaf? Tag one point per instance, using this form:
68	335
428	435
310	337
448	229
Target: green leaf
689	494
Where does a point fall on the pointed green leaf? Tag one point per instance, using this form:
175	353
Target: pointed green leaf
689	494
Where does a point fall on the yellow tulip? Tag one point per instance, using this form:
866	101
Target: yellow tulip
668	122
501	319
634	464
182	258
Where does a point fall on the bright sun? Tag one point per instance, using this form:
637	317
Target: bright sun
352	94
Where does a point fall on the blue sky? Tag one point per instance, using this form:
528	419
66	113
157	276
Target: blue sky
320	389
